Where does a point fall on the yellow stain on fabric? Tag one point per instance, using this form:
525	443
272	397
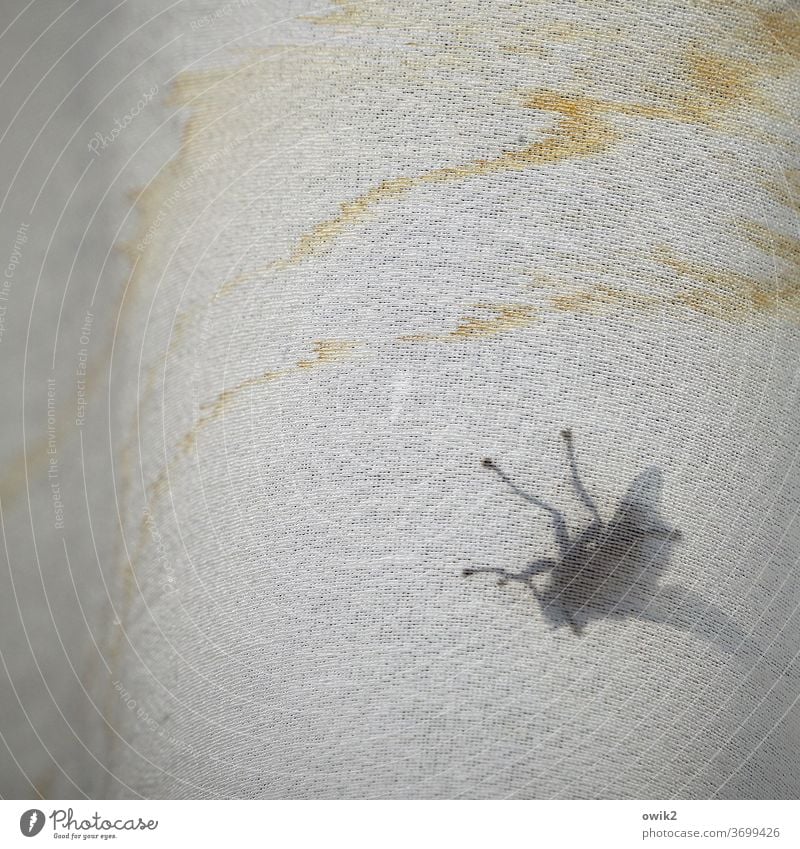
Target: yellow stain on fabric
600	298
505	318
717	82
727	295
706	289
579	131
787	189
781	245
583	125
325	352
781	29
711	292
346	13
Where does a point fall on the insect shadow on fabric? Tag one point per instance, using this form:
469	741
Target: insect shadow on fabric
611	569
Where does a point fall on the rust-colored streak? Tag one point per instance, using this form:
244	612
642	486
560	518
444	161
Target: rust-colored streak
219	404
583	127
708	290
713	84
328	351
507	317
782	31
787	189
730	296
718	81
786	248
600	297
346	13
729	305
325	353
580	131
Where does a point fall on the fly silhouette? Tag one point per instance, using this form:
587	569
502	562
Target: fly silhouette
612	569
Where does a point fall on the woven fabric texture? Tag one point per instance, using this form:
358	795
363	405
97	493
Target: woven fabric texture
398	241
395	242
